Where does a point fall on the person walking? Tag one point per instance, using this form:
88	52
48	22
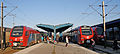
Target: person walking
67	41
47	39
42	38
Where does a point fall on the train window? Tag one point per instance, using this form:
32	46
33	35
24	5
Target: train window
86	32
27	33
17	31
94	33
33	36
99	31
78	32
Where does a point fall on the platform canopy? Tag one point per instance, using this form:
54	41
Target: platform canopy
50	28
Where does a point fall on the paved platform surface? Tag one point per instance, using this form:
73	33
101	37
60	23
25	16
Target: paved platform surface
108	49
44	48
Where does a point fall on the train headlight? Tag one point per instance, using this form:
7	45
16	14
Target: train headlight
87	37
10	43
21	39
21	43
102	36
102	39
82	41
11	40
82	38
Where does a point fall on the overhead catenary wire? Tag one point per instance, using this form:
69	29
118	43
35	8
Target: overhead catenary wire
105	5
19	21
108	1
95	10
111	10
11	5
9	12
87	13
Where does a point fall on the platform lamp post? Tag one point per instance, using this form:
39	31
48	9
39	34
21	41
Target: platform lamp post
54	34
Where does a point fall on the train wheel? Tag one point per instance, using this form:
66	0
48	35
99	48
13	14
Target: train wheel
26	46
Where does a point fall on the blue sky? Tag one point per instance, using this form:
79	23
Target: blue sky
54	12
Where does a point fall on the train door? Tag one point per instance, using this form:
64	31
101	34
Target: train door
35	38
79	37
26	36
30	39
76	37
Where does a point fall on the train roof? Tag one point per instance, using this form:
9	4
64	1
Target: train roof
24	26
79	27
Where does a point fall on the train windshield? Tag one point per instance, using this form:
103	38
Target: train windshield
99	31
17	32
86	32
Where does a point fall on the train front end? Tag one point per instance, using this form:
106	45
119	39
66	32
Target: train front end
16	37
99	37
87	36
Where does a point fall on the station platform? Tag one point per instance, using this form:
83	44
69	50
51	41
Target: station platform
107	49
44	48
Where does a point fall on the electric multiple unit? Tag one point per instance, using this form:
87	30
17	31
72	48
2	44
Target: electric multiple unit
22	36
98	34
83	35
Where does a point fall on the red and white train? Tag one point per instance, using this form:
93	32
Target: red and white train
22	36
83	35
98	34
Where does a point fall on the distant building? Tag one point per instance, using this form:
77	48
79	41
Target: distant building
6	34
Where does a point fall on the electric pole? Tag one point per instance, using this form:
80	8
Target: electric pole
2	17
103	15
1	25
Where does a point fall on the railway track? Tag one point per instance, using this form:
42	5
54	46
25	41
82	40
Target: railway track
101	51
108	50
9	50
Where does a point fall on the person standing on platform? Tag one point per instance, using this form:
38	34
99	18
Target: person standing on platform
42	38
47	39
67	41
